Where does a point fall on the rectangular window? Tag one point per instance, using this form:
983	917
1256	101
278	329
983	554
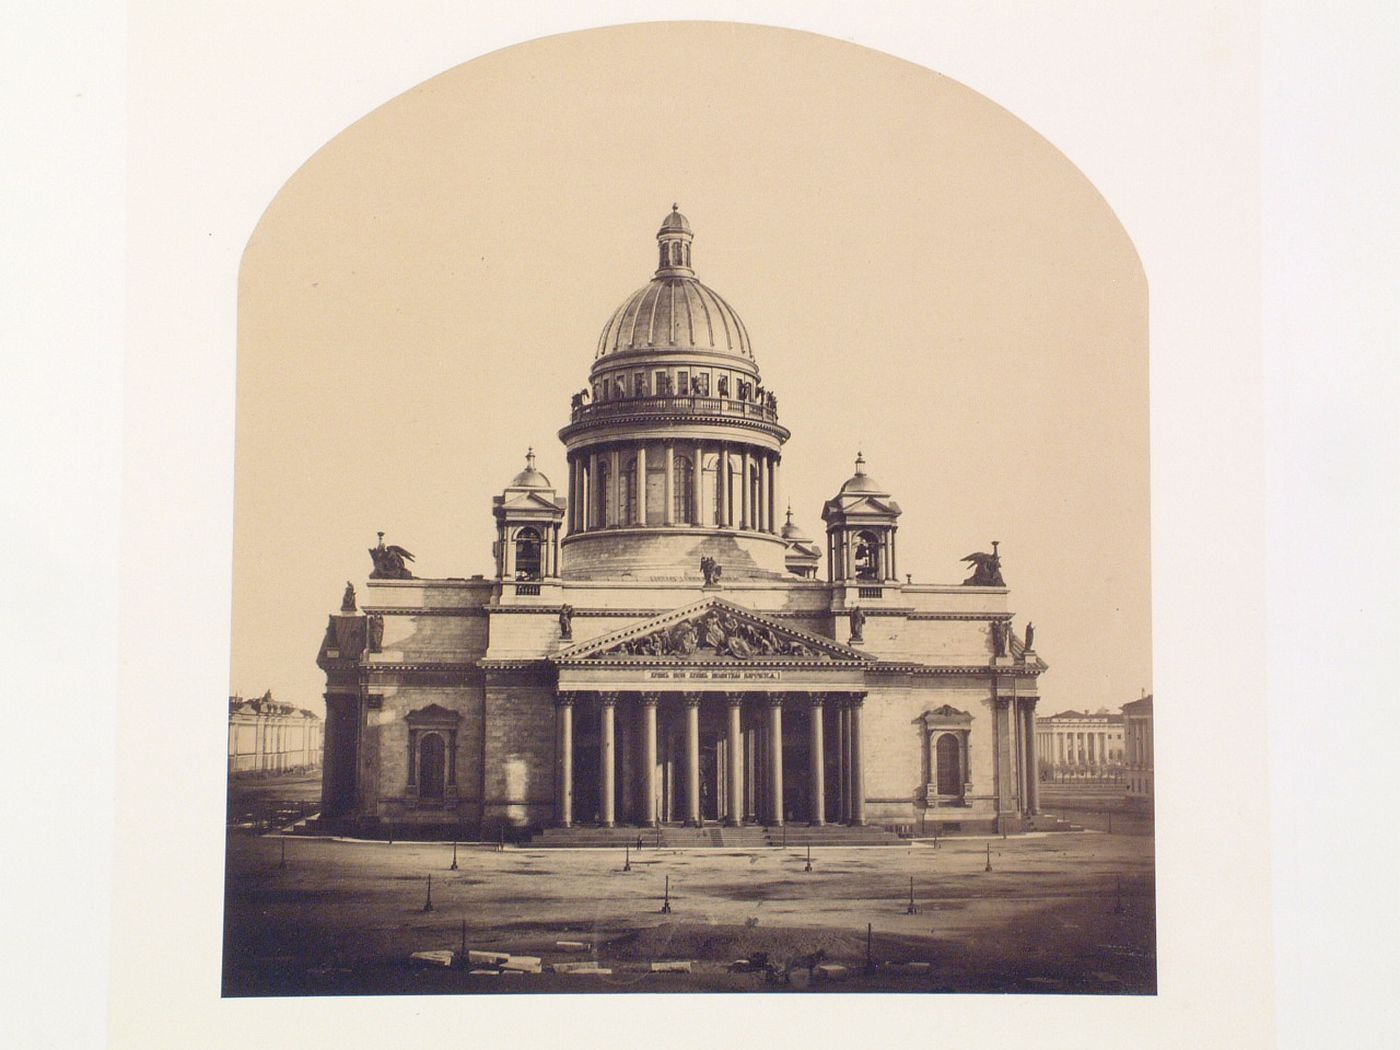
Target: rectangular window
683	383
661	384
639	384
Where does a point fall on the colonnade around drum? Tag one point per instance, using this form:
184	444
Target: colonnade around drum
751	779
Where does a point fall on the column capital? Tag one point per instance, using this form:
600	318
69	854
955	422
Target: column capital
735	699
774	700
608	699
1003	702
565	699
651	699
816	699
691	699
855	699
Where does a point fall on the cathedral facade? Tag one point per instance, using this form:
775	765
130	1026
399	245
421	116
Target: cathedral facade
655	647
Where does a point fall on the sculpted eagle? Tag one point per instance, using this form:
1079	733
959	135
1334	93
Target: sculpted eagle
986	569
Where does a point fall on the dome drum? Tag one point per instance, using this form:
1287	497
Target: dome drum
659	411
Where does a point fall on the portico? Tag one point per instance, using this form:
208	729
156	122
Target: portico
726	714
711	755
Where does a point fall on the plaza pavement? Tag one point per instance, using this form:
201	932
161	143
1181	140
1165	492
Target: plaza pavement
343	917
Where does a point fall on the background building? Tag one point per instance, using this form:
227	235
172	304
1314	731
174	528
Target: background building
1076	745
265	736
654	646
1137	719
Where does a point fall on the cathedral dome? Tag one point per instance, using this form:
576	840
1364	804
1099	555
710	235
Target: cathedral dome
674	311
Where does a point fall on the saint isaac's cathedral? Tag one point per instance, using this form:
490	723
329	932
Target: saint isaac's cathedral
659	646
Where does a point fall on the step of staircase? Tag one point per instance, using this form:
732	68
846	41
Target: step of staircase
712	835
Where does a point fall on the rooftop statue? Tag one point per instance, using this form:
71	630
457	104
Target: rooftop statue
987	568
389	562
711	570
857	624
347	603
1000	629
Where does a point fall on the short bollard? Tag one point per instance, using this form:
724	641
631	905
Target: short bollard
912	909
666	901
1118	908
501	842
989	858
453	867
428	904
464	942
809	858
282	864
869	961
626	857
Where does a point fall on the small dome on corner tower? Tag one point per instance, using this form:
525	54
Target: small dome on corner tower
530	478
860	481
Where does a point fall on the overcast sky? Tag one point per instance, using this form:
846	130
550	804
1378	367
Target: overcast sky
923	277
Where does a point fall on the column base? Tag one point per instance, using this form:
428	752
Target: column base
816	823
607	823
730	822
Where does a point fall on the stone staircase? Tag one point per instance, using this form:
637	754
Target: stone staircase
712	835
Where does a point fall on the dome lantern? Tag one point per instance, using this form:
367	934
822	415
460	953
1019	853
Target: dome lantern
673	244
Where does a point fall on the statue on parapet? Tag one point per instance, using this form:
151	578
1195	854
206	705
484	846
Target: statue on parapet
711	570
389	562
1000	630
1030	636
347	602
986	568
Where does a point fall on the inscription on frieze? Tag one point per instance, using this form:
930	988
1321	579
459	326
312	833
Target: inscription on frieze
716	676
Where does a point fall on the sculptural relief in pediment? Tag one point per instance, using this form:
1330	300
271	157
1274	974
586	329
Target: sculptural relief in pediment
715	633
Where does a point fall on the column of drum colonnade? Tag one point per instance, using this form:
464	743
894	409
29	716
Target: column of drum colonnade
752	504
849	756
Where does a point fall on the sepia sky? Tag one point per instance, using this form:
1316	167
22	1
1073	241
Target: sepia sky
923	277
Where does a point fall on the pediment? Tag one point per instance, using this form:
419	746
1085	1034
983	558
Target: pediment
870	505
946	715
711	631
529	501
433	715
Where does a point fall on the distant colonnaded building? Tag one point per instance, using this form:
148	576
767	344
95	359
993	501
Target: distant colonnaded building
1137	720
265	736
1077	744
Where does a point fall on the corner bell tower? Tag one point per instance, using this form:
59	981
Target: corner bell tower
861	521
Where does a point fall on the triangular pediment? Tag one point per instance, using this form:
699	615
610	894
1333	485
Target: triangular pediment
713	630
528	500
433	714
855	506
